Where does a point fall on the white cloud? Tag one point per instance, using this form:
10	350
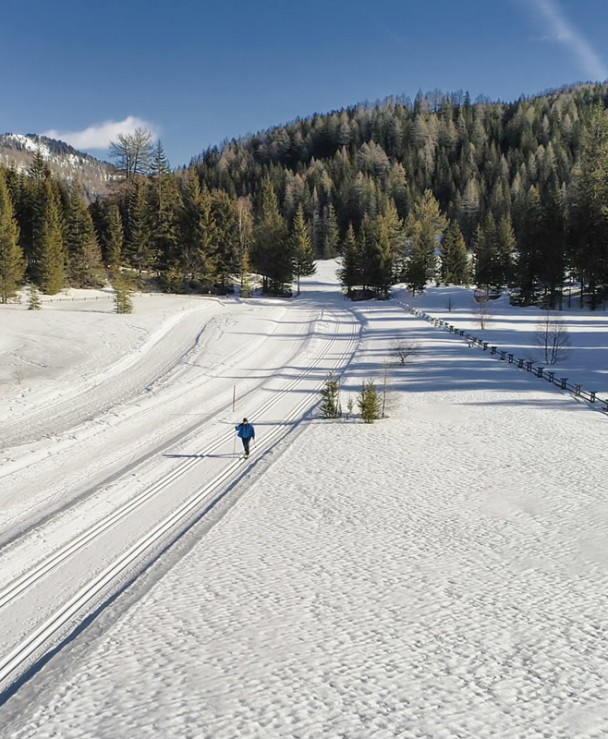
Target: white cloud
562	30
98	136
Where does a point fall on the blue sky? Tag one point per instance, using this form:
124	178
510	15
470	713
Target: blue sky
198	71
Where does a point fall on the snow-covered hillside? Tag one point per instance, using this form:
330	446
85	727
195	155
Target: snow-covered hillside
65	162
441	573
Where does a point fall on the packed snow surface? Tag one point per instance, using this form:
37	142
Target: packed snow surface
440	573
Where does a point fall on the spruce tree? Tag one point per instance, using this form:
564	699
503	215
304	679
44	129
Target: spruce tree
350	273
49	259
455	268
424	225
138	248
199	235
271	249
245	226
84	254
488	272
228	251
332	234
505	250
301	248
12	261
588	206
114	240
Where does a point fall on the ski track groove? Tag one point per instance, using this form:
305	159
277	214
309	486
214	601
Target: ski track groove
17	661
134	463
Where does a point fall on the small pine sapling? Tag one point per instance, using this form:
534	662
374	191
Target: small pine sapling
33	298
122	296
369	402
330	407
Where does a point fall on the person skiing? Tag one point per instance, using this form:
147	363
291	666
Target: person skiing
246	433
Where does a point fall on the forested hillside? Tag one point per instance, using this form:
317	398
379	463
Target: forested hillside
439	188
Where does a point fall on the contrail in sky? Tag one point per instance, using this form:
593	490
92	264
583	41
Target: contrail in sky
562	30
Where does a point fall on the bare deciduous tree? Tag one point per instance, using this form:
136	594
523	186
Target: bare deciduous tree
404	351
552	337
484	311
133	153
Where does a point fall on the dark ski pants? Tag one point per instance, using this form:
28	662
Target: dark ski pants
246	443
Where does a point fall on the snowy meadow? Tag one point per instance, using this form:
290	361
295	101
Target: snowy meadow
442	572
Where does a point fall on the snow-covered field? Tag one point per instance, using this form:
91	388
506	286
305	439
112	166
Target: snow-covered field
441	573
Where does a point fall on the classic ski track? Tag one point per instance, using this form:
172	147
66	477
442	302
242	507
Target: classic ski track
82	410
40	639
182	435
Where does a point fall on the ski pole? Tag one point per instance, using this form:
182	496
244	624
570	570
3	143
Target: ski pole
234	448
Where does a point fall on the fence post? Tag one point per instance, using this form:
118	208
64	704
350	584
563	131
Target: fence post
520	363
503	356
564	382
529	366
485	345
577	390
592	396
493	350
539	371
510	358
550	376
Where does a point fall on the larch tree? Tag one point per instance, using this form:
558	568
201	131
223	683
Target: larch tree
133	153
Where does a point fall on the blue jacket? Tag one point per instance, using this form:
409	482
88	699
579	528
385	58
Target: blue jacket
245	431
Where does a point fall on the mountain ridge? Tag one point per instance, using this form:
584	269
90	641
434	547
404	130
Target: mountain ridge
65	162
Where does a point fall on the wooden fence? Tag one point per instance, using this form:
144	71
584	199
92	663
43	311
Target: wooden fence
550	376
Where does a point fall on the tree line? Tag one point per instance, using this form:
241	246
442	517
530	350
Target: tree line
523	185
436	188
157	225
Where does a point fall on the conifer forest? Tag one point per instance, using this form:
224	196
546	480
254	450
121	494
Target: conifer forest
500	195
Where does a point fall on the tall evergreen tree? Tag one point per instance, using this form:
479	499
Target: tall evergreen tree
351	272
271	253
531	236
83	252
12	260
505	250
114	240
138	248
301	248
48	263
424	226
589	207
455	266
226	219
